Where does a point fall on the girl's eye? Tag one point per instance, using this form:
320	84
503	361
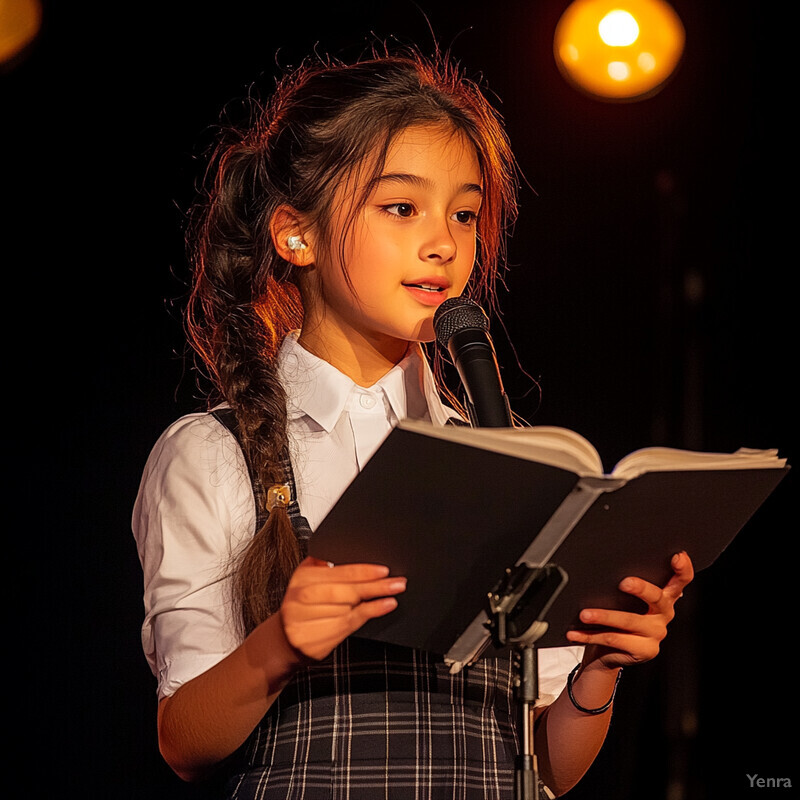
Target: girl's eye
400	209
465	217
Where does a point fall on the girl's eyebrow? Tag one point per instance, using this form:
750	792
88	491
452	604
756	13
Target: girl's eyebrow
418	180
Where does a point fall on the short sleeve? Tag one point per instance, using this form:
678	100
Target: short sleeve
193	512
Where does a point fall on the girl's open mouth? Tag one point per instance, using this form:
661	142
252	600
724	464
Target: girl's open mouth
426	287
429	294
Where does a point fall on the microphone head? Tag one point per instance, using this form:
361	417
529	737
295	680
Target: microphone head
457	314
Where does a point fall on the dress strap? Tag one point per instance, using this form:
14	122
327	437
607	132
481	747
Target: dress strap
302	529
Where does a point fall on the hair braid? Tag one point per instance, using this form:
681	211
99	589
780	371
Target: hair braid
238	313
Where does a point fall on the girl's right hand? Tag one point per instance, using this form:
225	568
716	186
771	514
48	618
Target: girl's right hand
324	604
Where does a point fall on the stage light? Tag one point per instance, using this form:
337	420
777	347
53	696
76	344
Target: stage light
619	49
20	21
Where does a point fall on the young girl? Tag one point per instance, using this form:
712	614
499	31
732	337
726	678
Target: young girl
361	197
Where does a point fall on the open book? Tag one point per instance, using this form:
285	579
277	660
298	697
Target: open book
561	447
454	508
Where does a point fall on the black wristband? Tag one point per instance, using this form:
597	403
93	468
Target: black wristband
577	705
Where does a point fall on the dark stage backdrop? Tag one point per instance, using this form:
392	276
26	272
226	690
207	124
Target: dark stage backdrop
649	300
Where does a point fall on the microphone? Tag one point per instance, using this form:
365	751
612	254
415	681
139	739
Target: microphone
462	328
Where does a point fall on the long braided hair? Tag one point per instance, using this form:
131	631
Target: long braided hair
324	121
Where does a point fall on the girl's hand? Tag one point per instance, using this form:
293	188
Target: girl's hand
634	638
324	604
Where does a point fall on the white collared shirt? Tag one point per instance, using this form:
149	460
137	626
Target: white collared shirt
195	508
333	421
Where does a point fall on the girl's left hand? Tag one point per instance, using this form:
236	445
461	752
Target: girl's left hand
629	638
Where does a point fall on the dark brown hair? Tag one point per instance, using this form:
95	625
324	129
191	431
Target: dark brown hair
324	120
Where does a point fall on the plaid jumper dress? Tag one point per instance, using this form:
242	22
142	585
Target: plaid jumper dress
375	721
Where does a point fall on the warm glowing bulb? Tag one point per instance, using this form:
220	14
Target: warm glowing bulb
20	21
619	49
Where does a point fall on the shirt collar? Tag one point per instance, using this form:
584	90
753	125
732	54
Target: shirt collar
316	389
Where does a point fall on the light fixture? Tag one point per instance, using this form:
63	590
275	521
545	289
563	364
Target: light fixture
619	49
20	21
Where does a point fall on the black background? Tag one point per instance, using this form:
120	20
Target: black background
650	297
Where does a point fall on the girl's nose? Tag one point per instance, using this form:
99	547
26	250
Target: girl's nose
438	244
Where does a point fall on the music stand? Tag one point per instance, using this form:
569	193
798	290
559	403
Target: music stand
518	606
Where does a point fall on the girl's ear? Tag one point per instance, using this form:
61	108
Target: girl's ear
290	237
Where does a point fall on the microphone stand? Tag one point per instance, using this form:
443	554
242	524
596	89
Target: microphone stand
523	596
517	607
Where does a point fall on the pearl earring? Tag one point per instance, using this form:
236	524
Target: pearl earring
296	243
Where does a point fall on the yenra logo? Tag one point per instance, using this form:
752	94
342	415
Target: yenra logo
757	782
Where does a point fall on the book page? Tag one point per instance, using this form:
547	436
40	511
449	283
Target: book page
655	459
558	447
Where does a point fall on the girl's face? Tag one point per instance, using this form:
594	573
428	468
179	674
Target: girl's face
411	246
